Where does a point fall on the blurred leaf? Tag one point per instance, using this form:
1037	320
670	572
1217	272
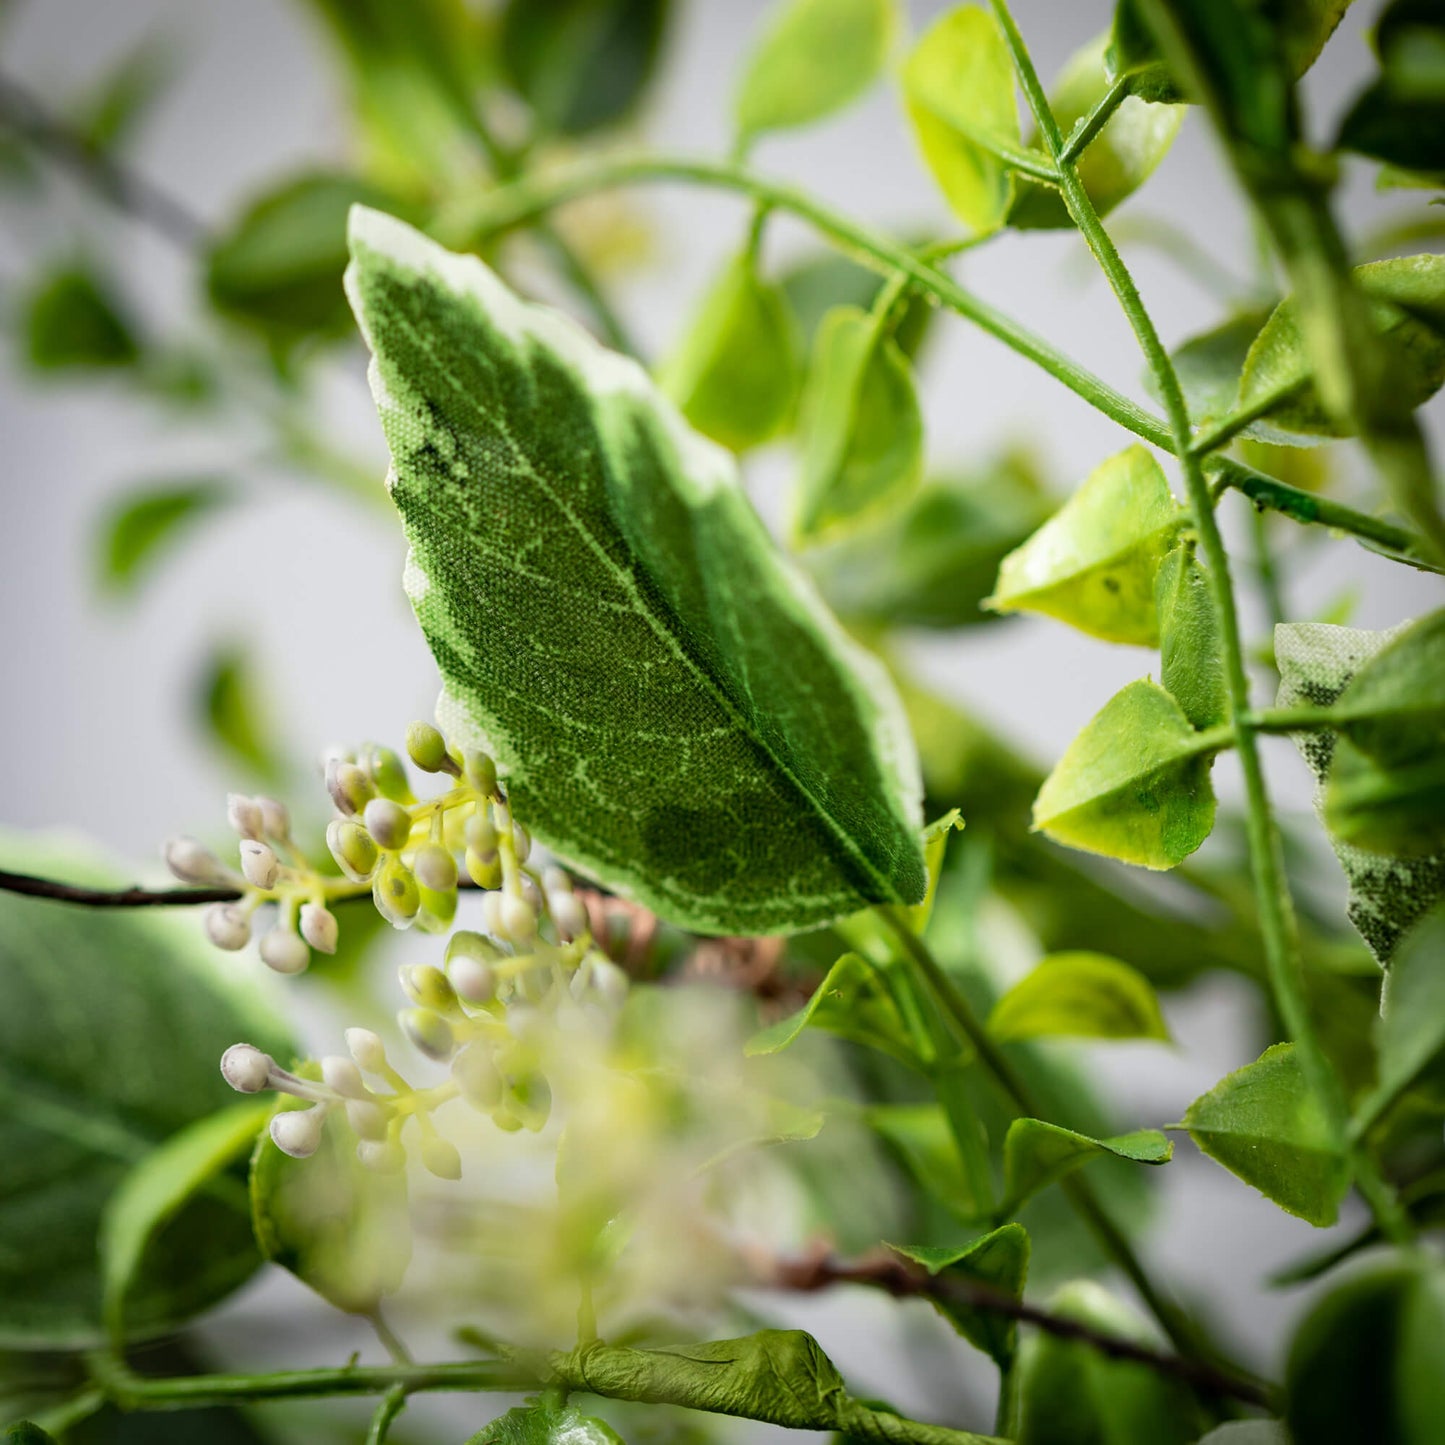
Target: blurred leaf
1400	117
1000	1259
1264	1124
1393	708
546	1423
814	58
114	106
1191	659
1079	995
1037	1154
1134	785
1247	1432
1093	563
814	286
921	1140
1395	810
735	374
958	82
111	1026
861	427
232	708
1368	1361
28	1433
142	525
581	64
1117	161
73	320
1209	366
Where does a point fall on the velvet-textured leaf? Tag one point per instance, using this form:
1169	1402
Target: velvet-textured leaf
958	82
1079	995
546	1424
675	711
1093	564
1117	161
1406	297
862	429
1393	709
142	526
1400	118
1037	1154
735	374
1263	1123
111	1026
814	57
73	320
1134	785
1191	658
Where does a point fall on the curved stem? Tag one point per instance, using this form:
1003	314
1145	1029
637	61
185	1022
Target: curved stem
392	1404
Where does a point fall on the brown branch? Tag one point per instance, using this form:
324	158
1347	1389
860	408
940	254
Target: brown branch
901	1278
33	887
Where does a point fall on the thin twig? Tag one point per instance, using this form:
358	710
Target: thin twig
33	887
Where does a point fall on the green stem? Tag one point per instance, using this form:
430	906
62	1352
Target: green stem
392	1404
1266	572
1090	126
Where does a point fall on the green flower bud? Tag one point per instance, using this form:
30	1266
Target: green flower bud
429	1033
437	910
350	788
388	772
530	1099
480	772
484	869
353	848
388	823
427	748
521	842
518	918
395	893
466	944
435	868
482	832
440	1157
427	986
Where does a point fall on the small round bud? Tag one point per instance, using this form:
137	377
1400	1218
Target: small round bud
244	815
466	944
427	986
556	880
521	842
388	822
283	951
352	847
531	892
482	833
519	918
259	864
275	820
192	862
367	1119
474	981
435	868
227	926
381	1156
477	1076
297	1132
388	772
246	1069
429	1033
318	927
440	1157
427	748
480	772
367	1049
492	916
484	869
342	1075
568	914
350	788
395	893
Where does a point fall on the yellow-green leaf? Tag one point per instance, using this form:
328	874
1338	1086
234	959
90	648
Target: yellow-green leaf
142	526
1191	659
1037	1154
1082	995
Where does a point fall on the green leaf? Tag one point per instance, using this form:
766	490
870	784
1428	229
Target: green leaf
160	1186
117	103
920	1138
28	1433
1209	365
814	58
1264	1124
1093	563
1394	810
232	708
1000	1259
958	83
1387	895
676	713
582	64
1406	301
1117	161
815	285
862	429
339	1227
735	375
1134	785
546	1424
933	562
1393	708
1247	1432
1079	995
1037	1154
1368	1361
1191	658
73	320
111	1028
143	525
1071	1393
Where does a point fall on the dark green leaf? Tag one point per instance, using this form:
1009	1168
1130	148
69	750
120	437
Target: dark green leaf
1393	708
74	320
1191	660
1368	1361
27	1433
862	429
1134	785
813	287
1264	1124
1393	810
1079	995
141	526
814	58
232	708
1093	563
585	568
1209	365
958	82
582	64
111	1028
1400	118
1037	1154
546	1424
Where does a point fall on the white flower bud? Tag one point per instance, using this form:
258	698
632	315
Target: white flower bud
353	849
568	914
367	1049
427	748
607	982
259	864
556	880
297	1132
349	787
388	772
342	1075
244	815
275	820
435	868
429	1033
367	1119
227	926
246	1069
473	980
531	892
381	1156
477	1076
521	842
427	986
192	862
492	916
387	822
318	927
440	1157
481	833
283	951
519	918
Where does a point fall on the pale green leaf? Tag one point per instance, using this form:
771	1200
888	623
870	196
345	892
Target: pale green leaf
920	1138
862	429
233	709
1134	785
1093	564
546	1424
1208	366
142	526
958	82
818	282
1037	1154
814	58
1079	995
1264	1124
676	713
1191	658
1117	161
735	375
164	1181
